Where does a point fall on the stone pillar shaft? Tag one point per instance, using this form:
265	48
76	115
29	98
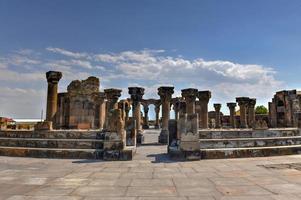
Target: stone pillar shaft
251	112
136	97
190	96
53	78
145	122
204	97
157	111
232	114
243	105
112	96
165	94
217	108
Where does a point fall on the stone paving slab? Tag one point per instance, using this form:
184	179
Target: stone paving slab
148	177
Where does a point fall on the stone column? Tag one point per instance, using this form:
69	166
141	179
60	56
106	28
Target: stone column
112	96
145	123
217	108
136	97
251	112
243	105
157	111
102	110
53	79
127	109
165	94
190	96
231	107
204	97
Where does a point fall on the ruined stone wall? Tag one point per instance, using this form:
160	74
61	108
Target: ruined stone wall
82	107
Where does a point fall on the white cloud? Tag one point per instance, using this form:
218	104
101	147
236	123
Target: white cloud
67	53
147	68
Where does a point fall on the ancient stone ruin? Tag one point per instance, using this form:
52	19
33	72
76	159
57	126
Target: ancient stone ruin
85	122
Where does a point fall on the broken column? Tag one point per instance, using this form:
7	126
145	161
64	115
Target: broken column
53	79
251	112
231	107
190	96
136	97
243	106
165	94
112	96
145	119
204	97
102	110
217	108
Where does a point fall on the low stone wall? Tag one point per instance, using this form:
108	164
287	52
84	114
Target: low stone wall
247	133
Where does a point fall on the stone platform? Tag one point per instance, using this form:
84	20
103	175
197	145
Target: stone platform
237	143
75	144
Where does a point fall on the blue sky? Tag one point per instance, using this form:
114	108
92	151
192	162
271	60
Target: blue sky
233	47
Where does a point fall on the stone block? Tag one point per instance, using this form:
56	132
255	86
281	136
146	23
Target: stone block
83	126
113	145
43	126
189	145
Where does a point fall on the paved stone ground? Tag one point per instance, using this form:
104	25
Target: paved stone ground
151	175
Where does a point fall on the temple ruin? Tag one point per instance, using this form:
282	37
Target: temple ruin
85	122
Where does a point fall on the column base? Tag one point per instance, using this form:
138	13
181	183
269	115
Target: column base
163	137
140	138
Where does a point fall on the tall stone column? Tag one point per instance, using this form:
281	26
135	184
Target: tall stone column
112	96
145	123
243	106
204	97
217	108
136	97
231	107
157	111
272	114
102	110
53	79
251	112
165	94
190	95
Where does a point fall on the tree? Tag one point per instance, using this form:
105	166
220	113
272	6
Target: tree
261	110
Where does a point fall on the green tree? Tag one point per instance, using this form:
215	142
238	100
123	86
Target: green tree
261	110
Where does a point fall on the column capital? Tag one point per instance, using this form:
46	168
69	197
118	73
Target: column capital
231	105
112	93
165	92
242	100
204	96
252	103
189	93
136	93
217	106
53	76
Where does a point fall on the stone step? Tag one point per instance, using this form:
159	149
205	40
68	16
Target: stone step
58	134
248	133
51	153
249	142
250	152
52	143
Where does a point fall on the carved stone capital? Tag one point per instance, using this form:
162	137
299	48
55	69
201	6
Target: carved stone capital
53	76
252	103
165	93
136	94
242	101
204	96
231	105
217	107
189	94
112	94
